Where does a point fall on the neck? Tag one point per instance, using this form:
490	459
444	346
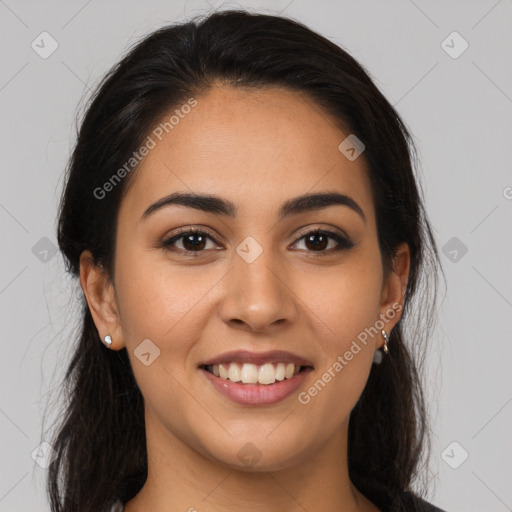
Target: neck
182	479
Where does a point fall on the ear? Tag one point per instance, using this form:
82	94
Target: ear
100	295
394	286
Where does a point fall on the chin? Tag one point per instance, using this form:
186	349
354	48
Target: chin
258	455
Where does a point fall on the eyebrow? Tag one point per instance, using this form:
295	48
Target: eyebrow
219	206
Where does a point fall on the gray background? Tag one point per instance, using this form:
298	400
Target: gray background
459	110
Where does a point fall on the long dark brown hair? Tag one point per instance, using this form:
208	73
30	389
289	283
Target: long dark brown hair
100	439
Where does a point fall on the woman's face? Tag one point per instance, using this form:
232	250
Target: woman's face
252	282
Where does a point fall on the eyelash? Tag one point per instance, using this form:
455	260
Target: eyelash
343	243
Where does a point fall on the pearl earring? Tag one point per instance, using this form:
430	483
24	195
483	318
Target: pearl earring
107	340
378	356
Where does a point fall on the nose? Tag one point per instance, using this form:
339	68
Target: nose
258	296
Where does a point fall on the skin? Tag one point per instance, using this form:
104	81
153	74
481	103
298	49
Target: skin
256	148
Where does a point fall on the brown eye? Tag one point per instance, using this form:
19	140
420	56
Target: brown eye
192	241
318	240
195	241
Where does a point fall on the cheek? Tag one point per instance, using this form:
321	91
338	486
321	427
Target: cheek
168	306
344	302
159	304
346	306
154	296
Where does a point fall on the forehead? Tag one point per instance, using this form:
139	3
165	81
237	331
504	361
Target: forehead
256	147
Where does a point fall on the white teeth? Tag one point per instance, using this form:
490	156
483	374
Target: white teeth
223	373
267	374
249	373
234	372
280	371
290	369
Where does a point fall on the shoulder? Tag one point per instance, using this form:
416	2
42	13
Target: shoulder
410	502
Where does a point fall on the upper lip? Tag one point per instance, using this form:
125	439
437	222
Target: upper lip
257	358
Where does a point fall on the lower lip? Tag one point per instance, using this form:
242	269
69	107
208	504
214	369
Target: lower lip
257	394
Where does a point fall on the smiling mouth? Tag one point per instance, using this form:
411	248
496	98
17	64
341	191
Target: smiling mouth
248	373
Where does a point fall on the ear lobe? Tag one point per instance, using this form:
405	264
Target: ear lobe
99	293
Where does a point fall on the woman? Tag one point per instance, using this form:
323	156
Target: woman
242	213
